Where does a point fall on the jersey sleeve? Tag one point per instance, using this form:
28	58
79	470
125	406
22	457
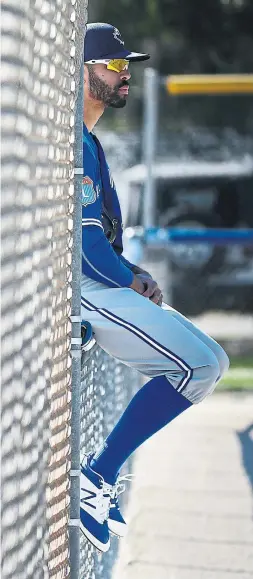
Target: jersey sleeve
99	260
126	262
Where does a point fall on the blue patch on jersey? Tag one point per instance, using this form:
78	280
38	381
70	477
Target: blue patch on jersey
89	194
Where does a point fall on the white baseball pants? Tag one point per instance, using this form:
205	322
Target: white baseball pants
154	340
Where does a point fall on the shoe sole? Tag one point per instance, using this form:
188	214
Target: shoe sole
94	541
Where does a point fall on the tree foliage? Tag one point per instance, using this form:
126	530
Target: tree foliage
186	36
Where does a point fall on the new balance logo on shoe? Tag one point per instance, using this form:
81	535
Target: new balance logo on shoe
95	497
89	496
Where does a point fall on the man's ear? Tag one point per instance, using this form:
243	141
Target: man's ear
85	74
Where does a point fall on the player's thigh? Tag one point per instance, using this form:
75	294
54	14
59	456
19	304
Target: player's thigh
139	333
205	338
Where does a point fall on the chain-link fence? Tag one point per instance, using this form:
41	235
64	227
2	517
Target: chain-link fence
107	387
41	47
41	44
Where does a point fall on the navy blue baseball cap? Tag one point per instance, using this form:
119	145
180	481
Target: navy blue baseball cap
104	41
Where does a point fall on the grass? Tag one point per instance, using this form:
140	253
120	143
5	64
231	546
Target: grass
239	375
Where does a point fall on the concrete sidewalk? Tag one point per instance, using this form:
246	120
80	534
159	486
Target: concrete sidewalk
190	509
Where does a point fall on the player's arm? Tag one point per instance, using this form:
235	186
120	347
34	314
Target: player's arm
98	258
135	268
99	261
102	264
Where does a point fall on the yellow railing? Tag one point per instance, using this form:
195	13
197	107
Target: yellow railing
187	84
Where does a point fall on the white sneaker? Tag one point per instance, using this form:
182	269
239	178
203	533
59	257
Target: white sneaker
95	496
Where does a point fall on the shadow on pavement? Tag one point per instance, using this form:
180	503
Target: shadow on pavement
246	441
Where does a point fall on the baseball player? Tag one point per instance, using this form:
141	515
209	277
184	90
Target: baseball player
124	305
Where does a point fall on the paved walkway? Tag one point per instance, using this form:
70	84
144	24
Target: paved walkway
190	512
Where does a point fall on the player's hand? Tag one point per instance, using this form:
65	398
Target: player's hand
151	286
157	297
138	285
152	290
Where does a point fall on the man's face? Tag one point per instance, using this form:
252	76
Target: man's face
107	86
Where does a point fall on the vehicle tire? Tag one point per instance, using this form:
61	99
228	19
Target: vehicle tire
190	265
190	300
196	257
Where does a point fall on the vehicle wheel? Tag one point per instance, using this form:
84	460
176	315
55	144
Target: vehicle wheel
189	300
190	264
185	257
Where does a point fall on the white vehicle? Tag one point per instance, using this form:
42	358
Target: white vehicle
199	195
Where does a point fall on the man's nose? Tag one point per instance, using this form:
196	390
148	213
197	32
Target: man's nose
125	75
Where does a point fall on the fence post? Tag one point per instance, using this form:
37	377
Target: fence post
74	522
149	143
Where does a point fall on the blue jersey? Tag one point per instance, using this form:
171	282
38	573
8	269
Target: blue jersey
102	258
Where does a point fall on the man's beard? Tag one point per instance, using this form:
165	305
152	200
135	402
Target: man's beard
101	91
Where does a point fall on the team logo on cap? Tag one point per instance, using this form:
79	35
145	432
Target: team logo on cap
117	36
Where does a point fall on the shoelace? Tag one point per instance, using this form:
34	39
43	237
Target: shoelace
104	501
119	488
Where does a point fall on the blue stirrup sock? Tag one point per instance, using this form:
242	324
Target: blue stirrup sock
156	404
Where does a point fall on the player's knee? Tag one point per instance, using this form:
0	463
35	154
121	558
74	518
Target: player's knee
204	379
223	360
213	370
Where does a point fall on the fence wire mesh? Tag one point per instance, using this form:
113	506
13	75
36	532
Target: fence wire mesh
41	43
106	388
